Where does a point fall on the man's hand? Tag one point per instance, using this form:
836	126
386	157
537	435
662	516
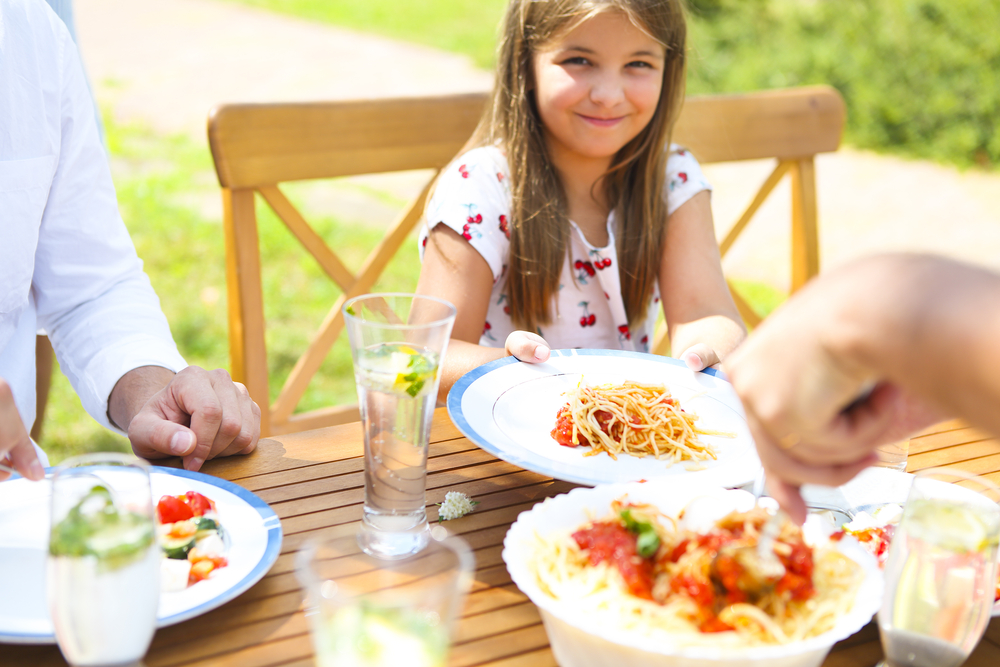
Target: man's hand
195	414
16	450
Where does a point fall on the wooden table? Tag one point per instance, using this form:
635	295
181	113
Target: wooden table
314	481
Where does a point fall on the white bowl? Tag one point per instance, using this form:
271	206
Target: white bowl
579	640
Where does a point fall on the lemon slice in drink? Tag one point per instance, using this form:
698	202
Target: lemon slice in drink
414	370
950	525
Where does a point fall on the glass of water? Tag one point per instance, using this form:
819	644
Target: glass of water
397	343
366	611
104	560
941	575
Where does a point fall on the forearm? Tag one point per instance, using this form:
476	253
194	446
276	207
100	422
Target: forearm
461	358
931	327
133	391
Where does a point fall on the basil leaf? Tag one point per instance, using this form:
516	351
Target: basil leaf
648	543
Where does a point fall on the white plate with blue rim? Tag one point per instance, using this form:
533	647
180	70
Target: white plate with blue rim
253	542
509	409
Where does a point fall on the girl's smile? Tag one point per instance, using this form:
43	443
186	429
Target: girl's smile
597	87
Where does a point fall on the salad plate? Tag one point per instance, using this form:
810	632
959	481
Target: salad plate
509	409
252	535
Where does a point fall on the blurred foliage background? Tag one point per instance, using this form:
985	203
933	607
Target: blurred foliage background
920	78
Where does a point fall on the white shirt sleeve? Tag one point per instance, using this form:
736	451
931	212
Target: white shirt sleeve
684	178
472	197
92	296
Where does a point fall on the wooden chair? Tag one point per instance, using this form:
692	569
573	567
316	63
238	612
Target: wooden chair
791	126
256	147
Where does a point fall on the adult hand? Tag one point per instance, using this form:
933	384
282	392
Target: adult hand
527	346
16	450
197	415
817	409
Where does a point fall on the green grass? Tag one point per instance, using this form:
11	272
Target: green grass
462	26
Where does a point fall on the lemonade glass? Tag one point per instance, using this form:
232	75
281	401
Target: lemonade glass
941	573
372	612
397	343
104	560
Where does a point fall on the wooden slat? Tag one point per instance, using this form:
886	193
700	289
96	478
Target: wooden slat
263	144
309	239
785	124
805	234
247	349
762	194
746	311
307	365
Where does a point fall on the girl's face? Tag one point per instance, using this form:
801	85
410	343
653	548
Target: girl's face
597	87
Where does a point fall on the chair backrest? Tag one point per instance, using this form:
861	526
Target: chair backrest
256	147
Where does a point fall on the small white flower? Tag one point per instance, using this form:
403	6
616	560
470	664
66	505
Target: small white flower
455	505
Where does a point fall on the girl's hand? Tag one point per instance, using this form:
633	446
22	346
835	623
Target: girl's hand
699	357
526	346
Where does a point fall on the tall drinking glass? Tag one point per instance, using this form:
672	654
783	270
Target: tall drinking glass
942	570
372	612
397	343
104	560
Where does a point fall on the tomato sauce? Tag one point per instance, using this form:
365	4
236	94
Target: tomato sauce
610	542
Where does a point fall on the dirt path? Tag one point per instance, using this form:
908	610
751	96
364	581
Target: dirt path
167	62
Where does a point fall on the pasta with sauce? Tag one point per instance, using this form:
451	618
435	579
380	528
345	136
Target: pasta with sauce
631	418
682	591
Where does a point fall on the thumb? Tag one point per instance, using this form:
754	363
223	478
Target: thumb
153	436
699	357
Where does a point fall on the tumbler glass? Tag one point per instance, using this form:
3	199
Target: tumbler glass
372	612
941	574
397	343
104	560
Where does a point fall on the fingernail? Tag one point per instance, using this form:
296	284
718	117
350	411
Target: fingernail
36	471
181	443
194	465
540	351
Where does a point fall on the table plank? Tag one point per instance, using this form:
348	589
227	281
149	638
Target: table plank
315	482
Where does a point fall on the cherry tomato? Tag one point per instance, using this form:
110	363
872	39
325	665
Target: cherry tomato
170	509
198	503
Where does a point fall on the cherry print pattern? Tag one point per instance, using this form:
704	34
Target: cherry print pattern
584	270
588	319
625	332
683	176
463	171
505	226
487	327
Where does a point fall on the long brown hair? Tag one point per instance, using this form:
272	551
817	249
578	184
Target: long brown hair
634	183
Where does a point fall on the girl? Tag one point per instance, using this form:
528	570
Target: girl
572	217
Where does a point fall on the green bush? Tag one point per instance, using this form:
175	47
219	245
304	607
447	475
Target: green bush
920	77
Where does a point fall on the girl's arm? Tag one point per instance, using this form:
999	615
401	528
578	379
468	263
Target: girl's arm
702	320
455	271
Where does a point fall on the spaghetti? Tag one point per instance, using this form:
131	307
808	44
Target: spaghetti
631	418
684	591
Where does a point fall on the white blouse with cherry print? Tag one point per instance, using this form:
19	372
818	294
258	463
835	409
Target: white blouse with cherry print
472	197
